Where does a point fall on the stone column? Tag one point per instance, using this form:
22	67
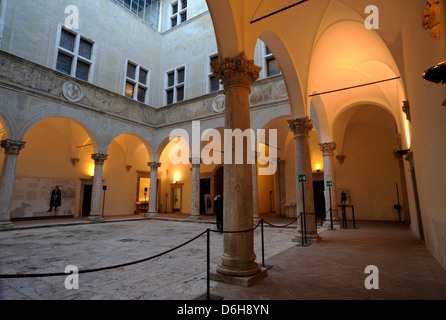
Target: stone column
195	201
328	149
153	188
301	129
12	149
96	193
238	258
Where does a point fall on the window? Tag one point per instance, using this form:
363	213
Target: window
272	66
74	55
178	13
175	80
214	83
136	82
148	10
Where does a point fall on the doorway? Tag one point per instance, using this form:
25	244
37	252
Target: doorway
205	188
86	202
319	199
177	197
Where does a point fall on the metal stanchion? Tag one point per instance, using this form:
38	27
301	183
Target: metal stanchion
353	213
263	247
207	295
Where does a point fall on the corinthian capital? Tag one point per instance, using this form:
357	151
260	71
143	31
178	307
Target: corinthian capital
99	158
301	126
12	146
154	165
327	148
236	71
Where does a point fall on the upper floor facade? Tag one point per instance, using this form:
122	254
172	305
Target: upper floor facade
155	52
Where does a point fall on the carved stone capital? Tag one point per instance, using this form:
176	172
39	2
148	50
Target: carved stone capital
154	165
406	110
340	158
12	146
99	158
432	18
237	71
327	148
195	161
301	126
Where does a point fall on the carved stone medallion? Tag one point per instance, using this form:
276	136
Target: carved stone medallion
218	104
72	92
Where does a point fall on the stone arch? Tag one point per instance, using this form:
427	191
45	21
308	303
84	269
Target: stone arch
137	135
289	72
84	119
341	120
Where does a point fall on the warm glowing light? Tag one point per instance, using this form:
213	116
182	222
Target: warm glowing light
176	176
91	170
317	167
407	131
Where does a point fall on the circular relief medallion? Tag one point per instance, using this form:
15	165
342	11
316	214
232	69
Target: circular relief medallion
72	92
218	105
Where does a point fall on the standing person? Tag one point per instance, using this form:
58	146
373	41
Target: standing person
56	199
218	201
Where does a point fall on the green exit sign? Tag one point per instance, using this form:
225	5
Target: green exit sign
329	183
303	178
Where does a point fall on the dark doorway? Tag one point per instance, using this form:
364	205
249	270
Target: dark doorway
218	181
86	202
319	199
205	188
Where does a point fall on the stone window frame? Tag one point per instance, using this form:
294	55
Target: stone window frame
74	54
178	10
211	76
176	85
267	57
136	81
3	4
144	12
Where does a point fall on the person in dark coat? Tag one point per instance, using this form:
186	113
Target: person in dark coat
56	199
218	202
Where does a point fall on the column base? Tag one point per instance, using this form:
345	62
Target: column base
95	219
311	238
151	215
336	223
6	225
245	281
194	218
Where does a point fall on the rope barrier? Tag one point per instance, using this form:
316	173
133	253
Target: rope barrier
207	231
58	274
55	274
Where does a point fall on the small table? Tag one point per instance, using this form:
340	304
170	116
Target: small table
344	215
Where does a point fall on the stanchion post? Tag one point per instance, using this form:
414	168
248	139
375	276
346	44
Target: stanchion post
304	226
103	200
207	295
208	267
353	213
331	209
263	244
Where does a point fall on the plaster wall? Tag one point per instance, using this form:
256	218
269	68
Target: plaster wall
421	51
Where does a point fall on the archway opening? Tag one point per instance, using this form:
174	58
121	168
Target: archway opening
369	172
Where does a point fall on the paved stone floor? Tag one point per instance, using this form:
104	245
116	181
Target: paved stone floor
180	274
330	270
